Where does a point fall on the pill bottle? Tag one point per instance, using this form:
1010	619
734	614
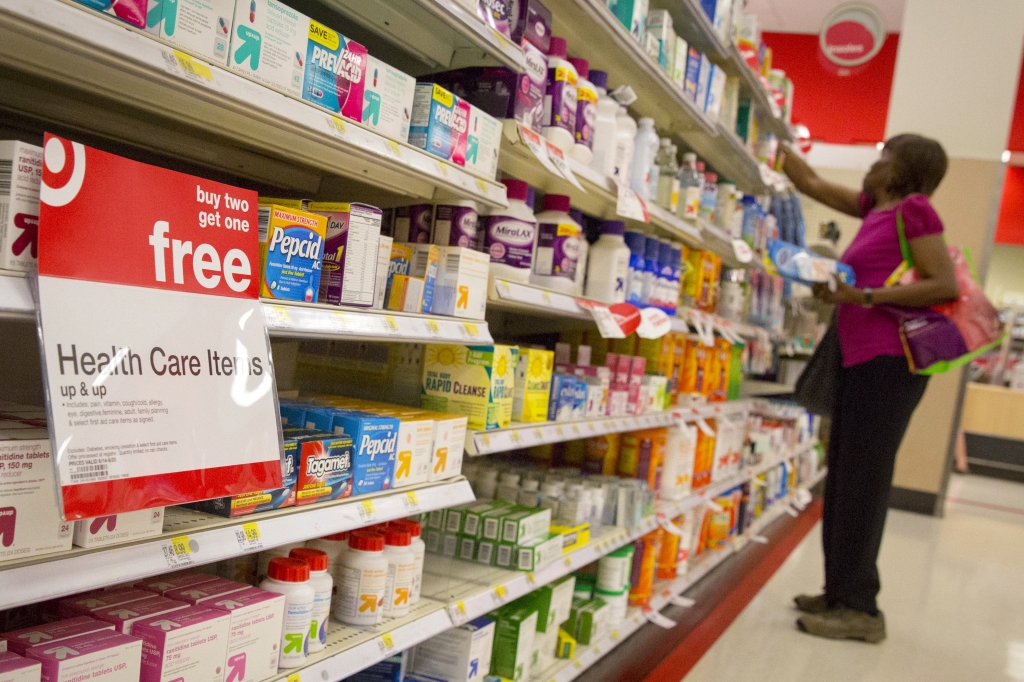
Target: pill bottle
263	565
613	570
668	556
586	113
604	126
558	246
560	99
362	577
455	224
401	565
642	574
419	548
323	589
290	577
509	234
334	546
618	604
609	264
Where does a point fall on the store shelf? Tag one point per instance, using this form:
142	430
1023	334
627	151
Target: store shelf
211	538
726	153
525	435
441	33
15	296
83	71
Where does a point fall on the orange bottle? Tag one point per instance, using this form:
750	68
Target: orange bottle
644	558
668	557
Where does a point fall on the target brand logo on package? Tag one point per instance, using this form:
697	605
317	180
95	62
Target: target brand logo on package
199	26
21	167
335	72
268	44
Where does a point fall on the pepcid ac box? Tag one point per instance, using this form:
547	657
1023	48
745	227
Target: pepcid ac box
291	249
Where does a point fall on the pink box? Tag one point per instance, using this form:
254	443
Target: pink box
611	361
622	369
19	641
257	617
189	645
175	581
14	668
196	594
105	656
635	382
127	615
85	604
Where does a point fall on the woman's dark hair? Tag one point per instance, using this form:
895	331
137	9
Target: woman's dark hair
918	165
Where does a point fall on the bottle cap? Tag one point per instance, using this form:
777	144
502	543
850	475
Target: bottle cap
582	67
665	252
646	122
516	189
599	79
414	527
396	536
288	570
613	227
316	559
700	166
557	48
690	157
636	242
711	177
365	541
337	537
556	202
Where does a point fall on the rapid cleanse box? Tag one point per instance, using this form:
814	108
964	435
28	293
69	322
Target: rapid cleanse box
462	654
19	205
349	269
268	44
107	655
440	123
30	522
110	530
335	72
202	27
257	617
387	99
189	645
475	381
461	287
291	248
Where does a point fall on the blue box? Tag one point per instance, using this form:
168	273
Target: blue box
325	469
693	61
579	402
391	669
293	414
374	448
440	123
563	397
265	500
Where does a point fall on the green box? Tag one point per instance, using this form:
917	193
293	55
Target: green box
472	525
433	541
505	555
453	520
526	524
514	630
486	552
467	548
539	552
436	520
588	620
492	522
449	545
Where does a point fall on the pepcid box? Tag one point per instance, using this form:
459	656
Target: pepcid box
19	205
110	530
268	44
291	250
349	269
30	522
335	71
387	100
202	27
374	447
440	123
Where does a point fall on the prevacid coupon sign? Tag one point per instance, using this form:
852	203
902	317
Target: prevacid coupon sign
160	388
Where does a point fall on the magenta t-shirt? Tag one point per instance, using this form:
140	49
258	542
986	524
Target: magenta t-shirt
866	333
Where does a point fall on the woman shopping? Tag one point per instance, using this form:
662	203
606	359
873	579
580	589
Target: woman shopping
877	393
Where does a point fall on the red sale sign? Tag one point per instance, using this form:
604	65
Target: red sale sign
159	382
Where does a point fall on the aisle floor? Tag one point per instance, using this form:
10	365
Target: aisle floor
952	592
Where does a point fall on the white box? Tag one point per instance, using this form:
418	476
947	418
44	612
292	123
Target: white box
19	641
257	617
716	92
454	655
659	25
704	82
202	27
30	522
679	58
461	287
380	286
268	44
485	138
21	165
415	446
116	528
190	645
125	616
105	656
14	668
387	99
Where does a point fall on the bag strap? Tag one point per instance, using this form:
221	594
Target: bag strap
904	244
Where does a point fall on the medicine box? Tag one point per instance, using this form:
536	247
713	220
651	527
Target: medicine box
291	248
335	71
514	630
391	669
19	205
188	645
165	583
573	537
374	446
349	269
533	385
716	91
693	67
268	44
14	668
19	641
110	530
483	140
263	500
462	654
399	263
413	223
530	22
415	444
129	11
387	99
449	444
563	397
467	548
97	600
449	545
204	592
461	288
125	616
475	381
326	470
523	525
680	58
426	259
107	655
407	294
380	285
472	516
202	27
534	554
257	617
30	521
440	123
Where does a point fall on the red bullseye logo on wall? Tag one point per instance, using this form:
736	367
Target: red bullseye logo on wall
852	34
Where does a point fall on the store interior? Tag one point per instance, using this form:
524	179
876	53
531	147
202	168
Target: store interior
461	340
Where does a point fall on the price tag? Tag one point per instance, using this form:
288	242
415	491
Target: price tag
792	512
365	510
481	185
412	502
759	539
577	664
178	552
457	612
277	316
516	438
597	649
188	67
658	619
390	324
441	168
606	323
616	635
500	39
714	506
568	562
394	148
557	157
472	331
531	578
667	524
294	677
535	143
337	127
576	430
499	594
386	643
630	205
433	328
705	427
680	600
248	537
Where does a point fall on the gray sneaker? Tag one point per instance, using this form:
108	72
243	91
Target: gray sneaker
844	623
811	604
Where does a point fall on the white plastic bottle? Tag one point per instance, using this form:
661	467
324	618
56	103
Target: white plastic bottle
603	150
625	134
558	246
510	234
586	112
290	577
560	99
401	565
609	264
644	150
362	578
334	546
668	176
582	255
419	549
323	589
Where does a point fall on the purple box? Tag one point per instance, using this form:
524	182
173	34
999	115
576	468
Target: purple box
19	641
14	668
190	645
108	656
197	594
494	13
253	645
413	223
349	267
85	604
501	92
531	25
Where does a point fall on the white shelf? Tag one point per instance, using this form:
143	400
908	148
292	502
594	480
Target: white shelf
89	72
211	538
15	296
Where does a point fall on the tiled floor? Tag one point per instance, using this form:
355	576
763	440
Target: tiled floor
952	592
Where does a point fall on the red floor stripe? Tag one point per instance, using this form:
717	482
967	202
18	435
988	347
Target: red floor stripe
986	505
677	664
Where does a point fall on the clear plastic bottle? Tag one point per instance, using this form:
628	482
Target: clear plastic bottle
625	137
603	160
558	246
689	188
652	250
560	99
290	577
609	264
510	235
362	578
323	587
586	112
636	241
668	176
644	149
419	548
401	565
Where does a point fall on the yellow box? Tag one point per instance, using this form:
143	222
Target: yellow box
475	381
406	295
573	537
533	385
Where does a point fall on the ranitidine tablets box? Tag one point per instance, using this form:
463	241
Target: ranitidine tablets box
189	645
107	655
98	600
202	27
19	641
125	616
268	44
116	528
199	594
19	206
257	617
30	522
166	583
14	668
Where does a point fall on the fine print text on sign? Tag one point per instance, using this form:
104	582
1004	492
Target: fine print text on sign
157	362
